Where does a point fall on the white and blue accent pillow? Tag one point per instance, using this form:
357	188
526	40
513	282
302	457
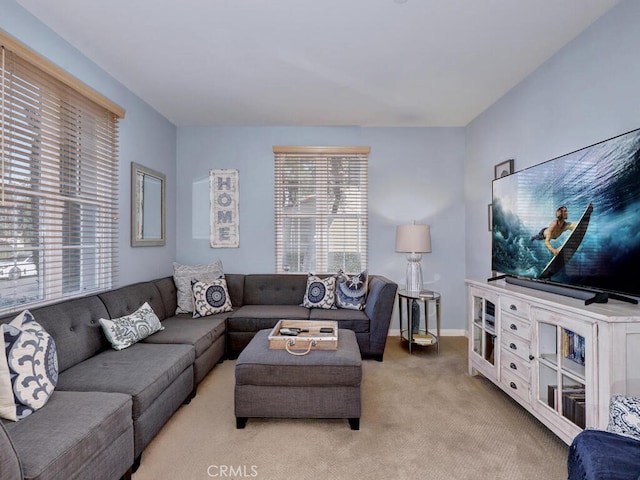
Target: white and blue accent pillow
624	415
124	331
210	298
183	275
320	292
351	292
28	367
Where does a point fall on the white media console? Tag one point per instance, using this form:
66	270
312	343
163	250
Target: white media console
557	357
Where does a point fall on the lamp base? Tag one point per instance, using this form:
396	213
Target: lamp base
414	272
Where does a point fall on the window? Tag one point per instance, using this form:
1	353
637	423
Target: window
321	209
58	183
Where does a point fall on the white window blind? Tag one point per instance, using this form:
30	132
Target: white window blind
58	184
321	205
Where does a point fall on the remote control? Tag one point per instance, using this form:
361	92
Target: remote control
289	331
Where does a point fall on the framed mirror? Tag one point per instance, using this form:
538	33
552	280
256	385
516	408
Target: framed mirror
147	207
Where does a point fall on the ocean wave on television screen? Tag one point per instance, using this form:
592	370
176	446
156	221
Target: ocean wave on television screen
511	250
606	175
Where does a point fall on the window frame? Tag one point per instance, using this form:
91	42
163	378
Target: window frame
320	185
58	180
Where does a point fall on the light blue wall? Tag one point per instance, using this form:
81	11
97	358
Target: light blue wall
586	93
414	174
145	137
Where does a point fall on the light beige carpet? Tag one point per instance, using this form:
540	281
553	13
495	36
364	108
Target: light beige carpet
423	416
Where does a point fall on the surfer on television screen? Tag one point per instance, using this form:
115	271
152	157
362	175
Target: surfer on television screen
555	229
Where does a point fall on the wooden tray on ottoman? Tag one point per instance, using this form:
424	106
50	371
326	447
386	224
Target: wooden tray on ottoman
305	341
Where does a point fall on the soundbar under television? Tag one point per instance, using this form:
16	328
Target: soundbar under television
573	221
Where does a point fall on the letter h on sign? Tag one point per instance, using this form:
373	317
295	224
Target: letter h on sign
223	185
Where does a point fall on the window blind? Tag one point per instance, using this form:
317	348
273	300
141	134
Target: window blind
58	187
321	209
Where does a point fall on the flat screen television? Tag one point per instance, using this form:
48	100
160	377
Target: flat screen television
573	221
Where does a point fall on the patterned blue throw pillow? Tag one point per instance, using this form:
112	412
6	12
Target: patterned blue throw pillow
351	292
28	367
125	331
210	298
320	292
624	415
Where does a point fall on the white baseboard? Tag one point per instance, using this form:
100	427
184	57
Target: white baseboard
395	332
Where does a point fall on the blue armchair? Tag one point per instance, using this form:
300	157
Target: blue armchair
612	454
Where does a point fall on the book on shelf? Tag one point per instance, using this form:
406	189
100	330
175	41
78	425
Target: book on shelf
570	407
551	395
580	415
553	398
424	339
573	346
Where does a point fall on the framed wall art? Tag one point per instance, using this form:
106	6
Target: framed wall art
225	221
147	207
503	169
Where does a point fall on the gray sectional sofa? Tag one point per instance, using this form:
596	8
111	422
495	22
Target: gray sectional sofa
260	300
109	404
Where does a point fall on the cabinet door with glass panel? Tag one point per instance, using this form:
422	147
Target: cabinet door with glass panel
564	382
482	329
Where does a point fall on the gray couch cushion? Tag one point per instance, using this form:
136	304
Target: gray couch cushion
169	294
260	365
235	286
355	320
199	332
380	302
143	371
274	289
74	326
126	300
251	318
10	467
59	441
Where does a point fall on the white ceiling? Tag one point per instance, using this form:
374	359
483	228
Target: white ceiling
319	62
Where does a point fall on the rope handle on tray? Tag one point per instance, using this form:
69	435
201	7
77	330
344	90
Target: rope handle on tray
292	343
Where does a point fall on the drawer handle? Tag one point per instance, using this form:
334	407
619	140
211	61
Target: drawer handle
513	366
513	385
512	346
513	307
513	326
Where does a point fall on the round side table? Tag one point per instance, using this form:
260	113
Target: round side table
409	305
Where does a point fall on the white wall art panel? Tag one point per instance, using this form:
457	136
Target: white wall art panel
225	220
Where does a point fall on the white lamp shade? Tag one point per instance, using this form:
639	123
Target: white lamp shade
413	238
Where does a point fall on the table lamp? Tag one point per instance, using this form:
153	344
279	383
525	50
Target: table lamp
414	240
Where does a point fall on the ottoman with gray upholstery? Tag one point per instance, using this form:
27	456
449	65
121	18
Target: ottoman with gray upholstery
321	384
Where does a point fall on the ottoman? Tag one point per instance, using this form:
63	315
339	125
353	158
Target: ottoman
321	384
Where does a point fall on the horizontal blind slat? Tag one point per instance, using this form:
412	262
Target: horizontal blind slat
321	207
59	186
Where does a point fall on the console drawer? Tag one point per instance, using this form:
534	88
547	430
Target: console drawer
515	306
515	345
557	318
516	326
515	365
515	385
